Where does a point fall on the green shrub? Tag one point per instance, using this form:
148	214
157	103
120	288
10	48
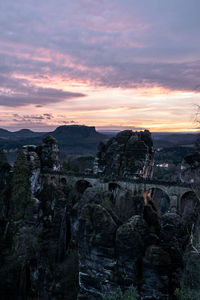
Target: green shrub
130	294
186	294
106	202
189	287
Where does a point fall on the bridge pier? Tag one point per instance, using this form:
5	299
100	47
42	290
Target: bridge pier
173	203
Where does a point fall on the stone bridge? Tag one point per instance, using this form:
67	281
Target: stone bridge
176	191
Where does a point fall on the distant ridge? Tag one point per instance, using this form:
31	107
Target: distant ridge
72	139
170	139
81	139
20	134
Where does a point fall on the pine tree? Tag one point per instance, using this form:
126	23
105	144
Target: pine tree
21	190
3	158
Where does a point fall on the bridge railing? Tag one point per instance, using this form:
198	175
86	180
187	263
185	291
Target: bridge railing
130	179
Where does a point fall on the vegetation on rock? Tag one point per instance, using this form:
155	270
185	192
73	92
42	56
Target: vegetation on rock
186	294
130	294
189	287
21	191
3	158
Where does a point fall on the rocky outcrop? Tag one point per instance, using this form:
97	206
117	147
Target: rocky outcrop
145	249
49	154
35	254
70	230
97	248
131	241
129	154
190	169
34	163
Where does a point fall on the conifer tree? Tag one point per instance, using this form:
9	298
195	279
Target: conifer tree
3	158
21	190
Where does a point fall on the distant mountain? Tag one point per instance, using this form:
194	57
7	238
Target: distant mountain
78	139
72	139
5	134
169	139
27	133
81	140
76	131
20	134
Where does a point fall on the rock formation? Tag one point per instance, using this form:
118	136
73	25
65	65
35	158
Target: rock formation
34	165
69	230
128	154
49	154
145	250
146	247
34	251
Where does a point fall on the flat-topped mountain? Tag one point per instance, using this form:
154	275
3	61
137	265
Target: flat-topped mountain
74	131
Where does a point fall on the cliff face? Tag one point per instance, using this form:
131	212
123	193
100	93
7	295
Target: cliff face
127	154
34	164
49	154
124	240
70	231
34	255
136	246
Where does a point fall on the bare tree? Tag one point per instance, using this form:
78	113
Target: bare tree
197	125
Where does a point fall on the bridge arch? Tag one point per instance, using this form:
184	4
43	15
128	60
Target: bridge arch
53	180
82	184
160	198
63	181
112	186
188	201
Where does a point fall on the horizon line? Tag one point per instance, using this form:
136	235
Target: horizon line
98	129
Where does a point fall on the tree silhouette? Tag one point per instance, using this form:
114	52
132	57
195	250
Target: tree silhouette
21	190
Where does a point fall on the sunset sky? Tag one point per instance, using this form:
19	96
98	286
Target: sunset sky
112	64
